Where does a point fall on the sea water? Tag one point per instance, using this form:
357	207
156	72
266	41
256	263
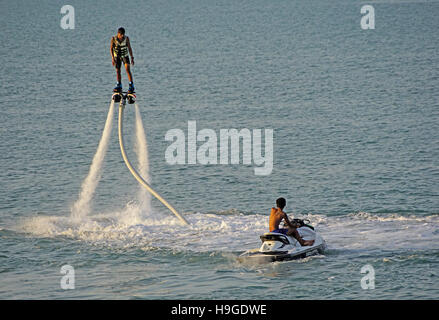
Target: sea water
354	114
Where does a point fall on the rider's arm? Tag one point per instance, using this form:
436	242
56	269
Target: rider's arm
289	223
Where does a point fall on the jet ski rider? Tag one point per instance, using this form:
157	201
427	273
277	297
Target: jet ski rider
277	215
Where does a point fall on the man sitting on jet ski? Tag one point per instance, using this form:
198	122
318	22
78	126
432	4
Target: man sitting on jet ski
277	215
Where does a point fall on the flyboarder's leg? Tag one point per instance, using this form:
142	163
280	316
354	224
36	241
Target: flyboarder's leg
129	74
119	80
128	69
118	87
118	75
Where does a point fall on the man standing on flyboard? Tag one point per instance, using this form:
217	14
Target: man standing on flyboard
119	49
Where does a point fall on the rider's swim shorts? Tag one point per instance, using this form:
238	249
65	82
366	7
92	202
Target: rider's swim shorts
281	230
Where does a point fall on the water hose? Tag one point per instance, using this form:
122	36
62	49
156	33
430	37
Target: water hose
135	173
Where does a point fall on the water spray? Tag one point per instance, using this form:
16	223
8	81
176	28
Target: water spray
81	207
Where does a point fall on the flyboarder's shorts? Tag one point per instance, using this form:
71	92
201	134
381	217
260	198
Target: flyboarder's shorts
281	230
119	61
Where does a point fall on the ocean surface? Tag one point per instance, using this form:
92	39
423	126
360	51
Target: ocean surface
355	120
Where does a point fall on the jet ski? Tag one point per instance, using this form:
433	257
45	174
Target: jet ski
280	247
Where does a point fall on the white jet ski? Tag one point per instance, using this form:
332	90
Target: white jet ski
279	247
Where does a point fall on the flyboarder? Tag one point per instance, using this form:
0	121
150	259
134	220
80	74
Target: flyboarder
119	49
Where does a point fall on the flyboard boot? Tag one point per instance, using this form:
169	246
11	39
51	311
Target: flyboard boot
117	92
130	94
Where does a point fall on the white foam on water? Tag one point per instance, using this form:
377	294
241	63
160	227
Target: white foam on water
82	207
209	232
365	231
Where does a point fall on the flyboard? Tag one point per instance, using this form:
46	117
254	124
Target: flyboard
119	96
122	98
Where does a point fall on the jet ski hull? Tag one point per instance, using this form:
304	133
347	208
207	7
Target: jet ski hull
282	255
280	247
